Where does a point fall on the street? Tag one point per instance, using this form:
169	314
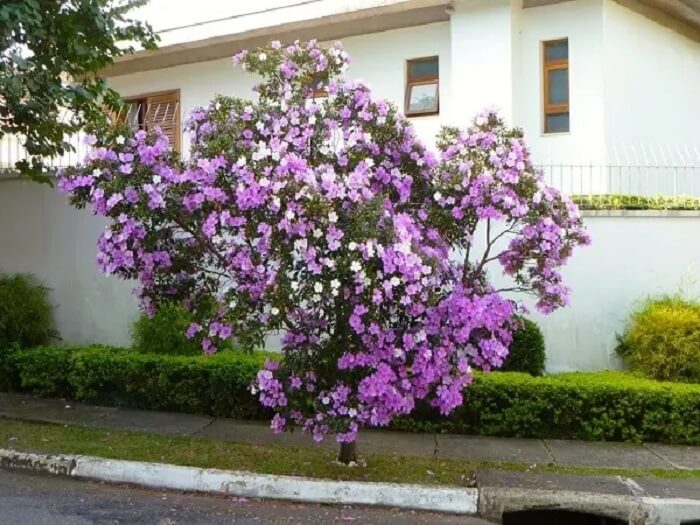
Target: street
30	499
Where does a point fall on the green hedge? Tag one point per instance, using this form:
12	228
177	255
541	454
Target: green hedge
591	406
611	201
215	385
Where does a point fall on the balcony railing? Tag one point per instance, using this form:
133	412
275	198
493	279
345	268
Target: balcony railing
677	178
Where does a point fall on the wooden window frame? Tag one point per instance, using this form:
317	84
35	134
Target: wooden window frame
145	97
554	65
421	81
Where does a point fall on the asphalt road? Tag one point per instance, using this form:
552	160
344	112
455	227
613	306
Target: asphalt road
30	499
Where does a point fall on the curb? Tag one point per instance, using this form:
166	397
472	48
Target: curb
246	484
488	502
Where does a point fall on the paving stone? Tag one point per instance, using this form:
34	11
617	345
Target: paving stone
683	456
530	451
50	410
604	455
670	488
548	481
152	421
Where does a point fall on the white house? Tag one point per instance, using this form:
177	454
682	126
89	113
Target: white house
607	92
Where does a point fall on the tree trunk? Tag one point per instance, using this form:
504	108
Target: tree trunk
348	453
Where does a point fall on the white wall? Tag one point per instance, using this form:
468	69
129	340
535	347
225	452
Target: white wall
378	59
630	259
42	235
652	85
581	21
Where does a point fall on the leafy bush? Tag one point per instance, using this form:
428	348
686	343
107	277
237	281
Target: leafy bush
612	201
662	340
25	314
526	352
164	333
591	406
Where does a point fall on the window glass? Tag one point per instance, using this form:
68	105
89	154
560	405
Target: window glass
557	123
557	50
418	69
423	98
558	80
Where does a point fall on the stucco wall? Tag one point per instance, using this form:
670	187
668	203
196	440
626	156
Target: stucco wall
581	22
378	59
652	89
630	258
41	234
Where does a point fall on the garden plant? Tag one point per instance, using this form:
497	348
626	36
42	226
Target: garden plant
315	211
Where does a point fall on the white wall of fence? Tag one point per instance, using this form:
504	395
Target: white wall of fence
632	257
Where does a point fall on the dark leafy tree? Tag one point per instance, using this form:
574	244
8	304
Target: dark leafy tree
51	55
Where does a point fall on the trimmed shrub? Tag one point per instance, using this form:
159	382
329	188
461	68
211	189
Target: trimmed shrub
662	340
25	313
526	353
164	333
610	406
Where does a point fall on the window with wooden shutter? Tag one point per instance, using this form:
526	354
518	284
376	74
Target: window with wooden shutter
154	110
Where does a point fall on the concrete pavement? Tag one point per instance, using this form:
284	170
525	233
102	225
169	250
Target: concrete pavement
445	446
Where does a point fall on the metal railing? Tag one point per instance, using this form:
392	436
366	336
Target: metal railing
674	178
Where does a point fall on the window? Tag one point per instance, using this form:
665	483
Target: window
153	110
422	86
556	86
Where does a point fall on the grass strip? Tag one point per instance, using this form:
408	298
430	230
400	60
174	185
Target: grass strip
269	459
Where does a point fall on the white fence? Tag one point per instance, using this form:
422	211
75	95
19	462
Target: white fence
670	172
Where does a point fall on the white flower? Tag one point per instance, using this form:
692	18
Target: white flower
290	214
398	352
395	281
352	412
294	285
326	400
334	293
437	196
316	298
262	57
335	283
120	140
242	161
96	172
312	119
275	311
276	202
156	179
264	182
317	233
318	287
369	162
332	217
217	105
352	246
355	266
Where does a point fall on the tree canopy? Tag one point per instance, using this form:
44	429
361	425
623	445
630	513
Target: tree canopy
316	211
51	55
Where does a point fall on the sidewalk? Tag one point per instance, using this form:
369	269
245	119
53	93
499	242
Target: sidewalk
602	455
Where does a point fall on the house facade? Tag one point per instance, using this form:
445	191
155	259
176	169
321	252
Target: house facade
607	93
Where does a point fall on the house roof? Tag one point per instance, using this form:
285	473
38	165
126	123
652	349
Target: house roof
333	19
303	19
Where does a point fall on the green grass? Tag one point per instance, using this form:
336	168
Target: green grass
268	459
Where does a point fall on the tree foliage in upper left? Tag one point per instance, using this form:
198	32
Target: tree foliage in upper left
51	55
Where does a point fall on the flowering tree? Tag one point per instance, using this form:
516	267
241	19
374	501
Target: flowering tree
315	211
